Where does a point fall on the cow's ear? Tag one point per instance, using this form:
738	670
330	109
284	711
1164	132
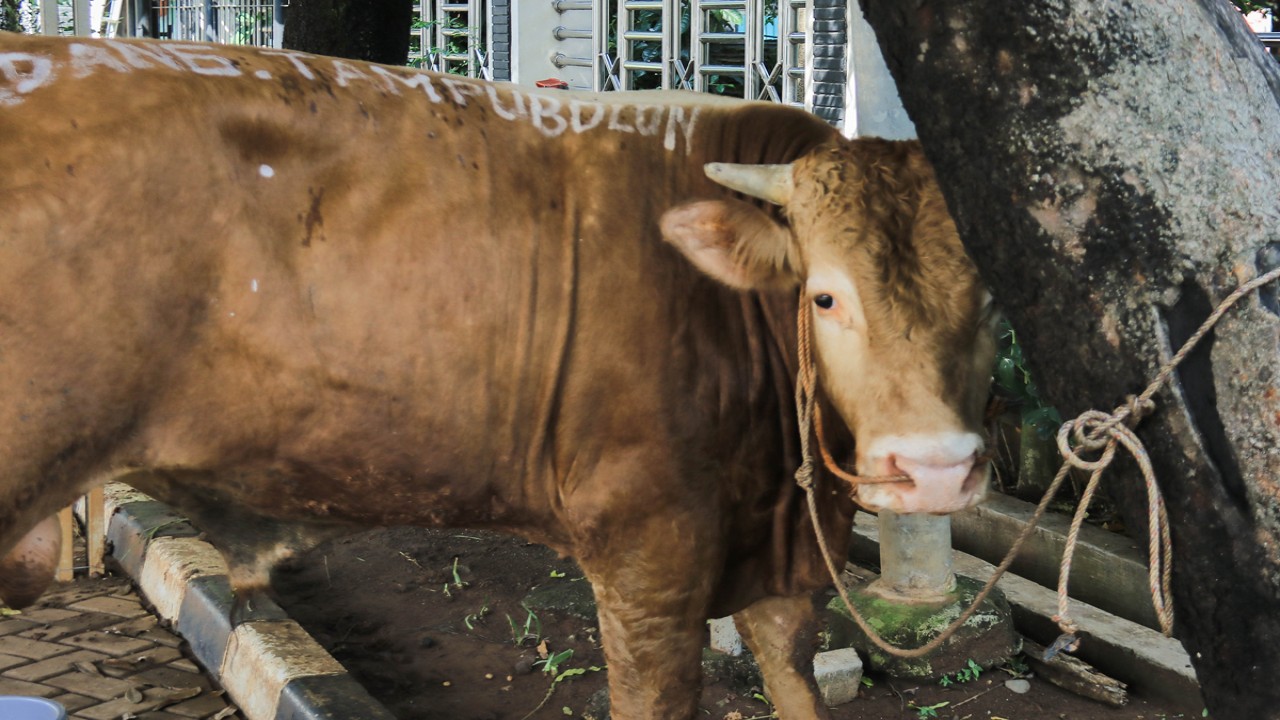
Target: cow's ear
734	242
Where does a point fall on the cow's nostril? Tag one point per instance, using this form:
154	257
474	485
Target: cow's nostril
941	477
978	474
887	467
891	466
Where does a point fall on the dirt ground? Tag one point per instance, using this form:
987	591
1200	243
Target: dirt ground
441	625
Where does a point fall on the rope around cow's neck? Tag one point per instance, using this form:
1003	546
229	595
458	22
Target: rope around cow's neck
1093	431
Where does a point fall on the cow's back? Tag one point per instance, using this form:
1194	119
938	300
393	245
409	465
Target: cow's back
399	297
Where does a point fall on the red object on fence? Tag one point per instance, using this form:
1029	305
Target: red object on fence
556	83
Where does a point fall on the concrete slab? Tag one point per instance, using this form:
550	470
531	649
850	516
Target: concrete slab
1109	570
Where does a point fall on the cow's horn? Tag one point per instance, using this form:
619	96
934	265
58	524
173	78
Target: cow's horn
767	182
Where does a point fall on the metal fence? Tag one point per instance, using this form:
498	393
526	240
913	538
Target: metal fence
754	49
746	48
233	22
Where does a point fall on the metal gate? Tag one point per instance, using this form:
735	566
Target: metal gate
233	22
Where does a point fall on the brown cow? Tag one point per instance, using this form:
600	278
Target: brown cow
295	296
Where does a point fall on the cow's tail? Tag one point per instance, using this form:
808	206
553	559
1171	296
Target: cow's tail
28	569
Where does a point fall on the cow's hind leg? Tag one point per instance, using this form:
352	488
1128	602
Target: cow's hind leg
30	496
782	634
652	589
28	568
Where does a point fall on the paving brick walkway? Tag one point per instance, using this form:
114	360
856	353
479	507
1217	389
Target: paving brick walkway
93	647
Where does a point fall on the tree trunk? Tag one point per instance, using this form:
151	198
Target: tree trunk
373	30
1112	168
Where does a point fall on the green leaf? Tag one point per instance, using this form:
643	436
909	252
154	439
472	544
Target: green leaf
571	672
1045	420
1007	375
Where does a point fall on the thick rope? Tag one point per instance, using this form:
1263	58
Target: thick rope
1093	431
806	413
807	382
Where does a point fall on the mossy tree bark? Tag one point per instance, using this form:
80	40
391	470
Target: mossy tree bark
1112	166
373	30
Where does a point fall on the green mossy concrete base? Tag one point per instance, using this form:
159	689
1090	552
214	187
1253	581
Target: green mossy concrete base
987	638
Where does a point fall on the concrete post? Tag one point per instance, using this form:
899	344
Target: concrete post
872	106
915	558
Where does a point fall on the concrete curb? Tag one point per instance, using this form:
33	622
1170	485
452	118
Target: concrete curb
268	663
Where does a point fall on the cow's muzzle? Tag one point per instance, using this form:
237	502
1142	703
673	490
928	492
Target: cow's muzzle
947	473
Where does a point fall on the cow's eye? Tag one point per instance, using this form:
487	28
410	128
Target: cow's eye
824	301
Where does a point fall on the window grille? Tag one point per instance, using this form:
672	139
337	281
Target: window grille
753	49
451	37
233	22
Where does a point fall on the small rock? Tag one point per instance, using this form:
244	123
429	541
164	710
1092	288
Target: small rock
524	666
839	675
1018	685
427	641
597	706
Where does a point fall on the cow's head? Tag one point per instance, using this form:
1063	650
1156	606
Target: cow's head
902	326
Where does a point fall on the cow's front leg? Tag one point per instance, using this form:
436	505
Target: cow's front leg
782	634
652	588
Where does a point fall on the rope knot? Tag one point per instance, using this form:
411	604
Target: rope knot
804	473
1136	408
1093	431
